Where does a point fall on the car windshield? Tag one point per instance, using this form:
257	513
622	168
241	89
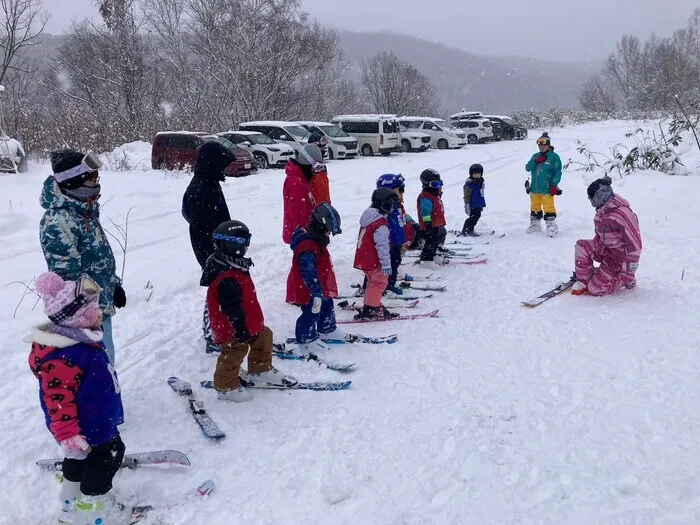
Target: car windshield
411	124
226	143
259	139
333	131
297	132
442	124
510	122
487	124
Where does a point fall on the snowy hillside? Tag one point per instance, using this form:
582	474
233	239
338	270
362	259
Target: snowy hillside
580	412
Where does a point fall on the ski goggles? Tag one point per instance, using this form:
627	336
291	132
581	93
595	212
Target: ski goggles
435	184
86	291
543	142
89	164
234	239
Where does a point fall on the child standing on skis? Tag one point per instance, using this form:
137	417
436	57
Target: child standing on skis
237	320
474	201
545	167
311	282
373	252
431	217
80	396
397	226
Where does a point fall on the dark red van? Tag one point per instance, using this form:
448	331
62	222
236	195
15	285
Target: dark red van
177	150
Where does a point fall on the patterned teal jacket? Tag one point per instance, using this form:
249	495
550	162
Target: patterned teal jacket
74	242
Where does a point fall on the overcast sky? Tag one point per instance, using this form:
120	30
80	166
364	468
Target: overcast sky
569	30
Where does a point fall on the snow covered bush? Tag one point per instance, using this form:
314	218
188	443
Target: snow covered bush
648	151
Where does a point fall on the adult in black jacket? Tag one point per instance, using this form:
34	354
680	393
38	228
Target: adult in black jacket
203	205
204	208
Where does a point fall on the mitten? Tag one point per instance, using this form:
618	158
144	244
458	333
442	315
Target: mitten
542	158
527	187
75	447
119	297
554	190
386	270
316	305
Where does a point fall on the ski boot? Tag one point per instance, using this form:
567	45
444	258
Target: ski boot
70	492
472	234
394	290
212	348
374	312
336	335
551	227
237	395
535	224
272	377
579	288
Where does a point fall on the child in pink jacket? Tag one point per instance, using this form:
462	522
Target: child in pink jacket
617	244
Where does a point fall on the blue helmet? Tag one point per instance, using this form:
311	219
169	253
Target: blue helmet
391	181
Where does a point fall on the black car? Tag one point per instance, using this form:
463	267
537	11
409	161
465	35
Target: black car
505	128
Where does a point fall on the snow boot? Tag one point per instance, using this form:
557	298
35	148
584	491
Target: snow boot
579	288
535	225
272	377
552	228
239	395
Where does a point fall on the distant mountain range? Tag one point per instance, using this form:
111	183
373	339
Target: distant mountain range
479	82
462	79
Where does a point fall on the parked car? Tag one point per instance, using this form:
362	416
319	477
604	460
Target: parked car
506	128
13	159
413	140
442	136
268	152
375	133
177	150
477	129
289	133
340	144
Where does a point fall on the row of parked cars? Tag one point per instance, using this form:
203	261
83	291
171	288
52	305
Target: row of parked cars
269	144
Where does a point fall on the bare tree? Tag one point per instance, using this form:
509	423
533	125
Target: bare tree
397	87
597	95
21	24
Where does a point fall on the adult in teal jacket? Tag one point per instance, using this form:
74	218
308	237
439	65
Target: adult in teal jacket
71	235
545	166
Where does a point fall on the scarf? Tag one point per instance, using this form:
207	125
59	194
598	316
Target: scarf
242	263
84	193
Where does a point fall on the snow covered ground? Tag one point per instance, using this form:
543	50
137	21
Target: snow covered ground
580	412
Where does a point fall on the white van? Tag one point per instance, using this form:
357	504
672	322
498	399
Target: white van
442	136
340	144
286	132
374	133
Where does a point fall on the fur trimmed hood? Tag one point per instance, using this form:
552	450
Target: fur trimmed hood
44	335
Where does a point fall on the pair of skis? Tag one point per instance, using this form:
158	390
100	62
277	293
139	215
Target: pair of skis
546	296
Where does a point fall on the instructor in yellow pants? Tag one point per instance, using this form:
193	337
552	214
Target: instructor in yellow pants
545	166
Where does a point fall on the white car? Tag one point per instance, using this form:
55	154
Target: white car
289	133
412	140
340	144
267	152
442	136
477	129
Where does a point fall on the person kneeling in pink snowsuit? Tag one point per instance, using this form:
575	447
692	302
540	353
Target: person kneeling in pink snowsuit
617	244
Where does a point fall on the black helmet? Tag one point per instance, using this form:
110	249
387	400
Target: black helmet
325	218
430	178
600	191
476	168
385	200
232	238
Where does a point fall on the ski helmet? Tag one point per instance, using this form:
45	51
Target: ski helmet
72	168
311	155
600	192
430	178
324	218
476	168
385	200
391	181
232	238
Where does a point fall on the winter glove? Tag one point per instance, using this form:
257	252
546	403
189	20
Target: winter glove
75	447
542	158
467	209
386	270
119	297
428	226
527	187
316	305
554	190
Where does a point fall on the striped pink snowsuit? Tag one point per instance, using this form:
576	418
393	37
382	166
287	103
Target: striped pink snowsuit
617	246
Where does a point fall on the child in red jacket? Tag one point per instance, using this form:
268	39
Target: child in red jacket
373	254
311	282
237	320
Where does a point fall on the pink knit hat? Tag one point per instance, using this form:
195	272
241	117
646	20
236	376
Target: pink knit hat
69	303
